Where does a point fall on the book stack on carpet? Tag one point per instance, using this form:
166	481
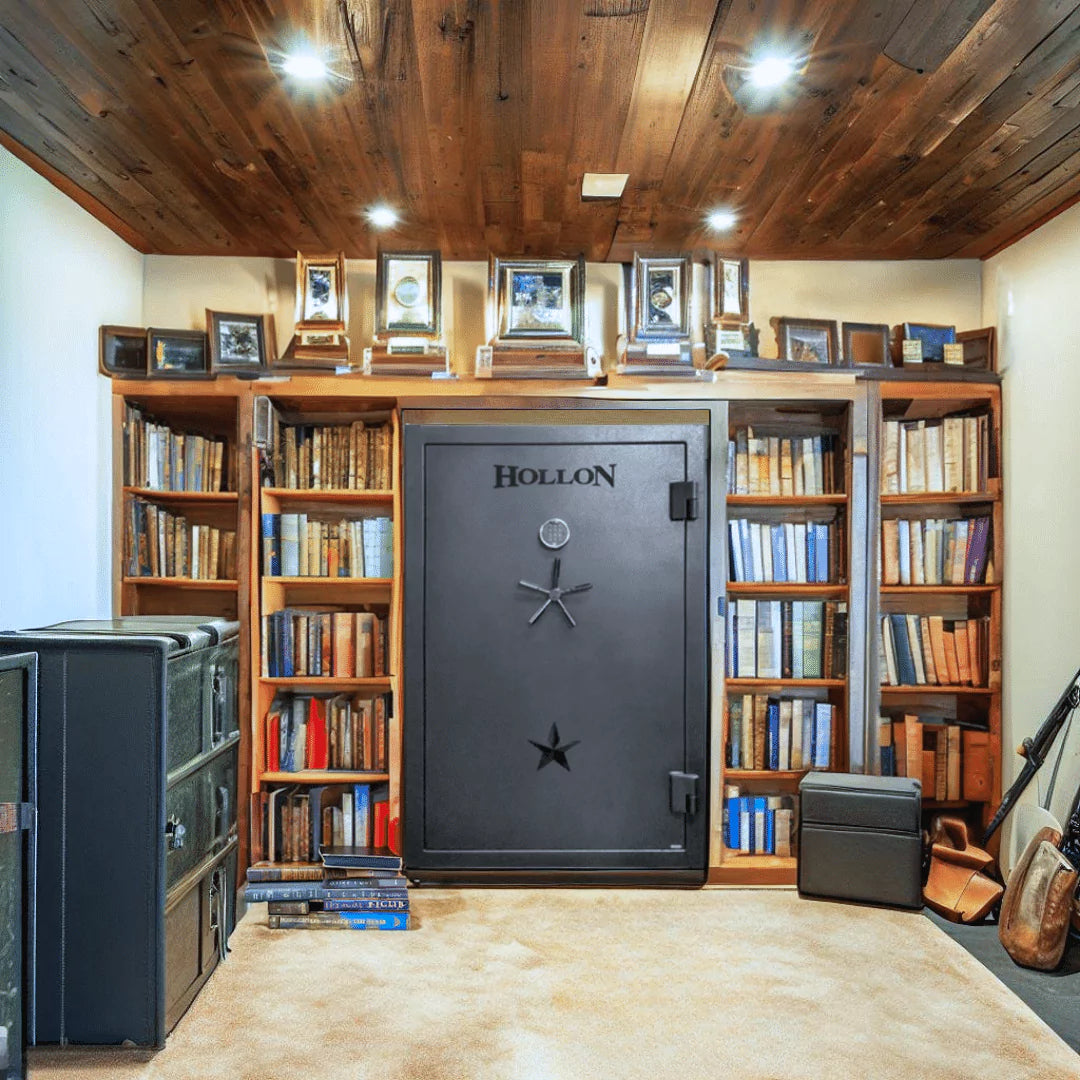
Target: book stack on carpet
351	888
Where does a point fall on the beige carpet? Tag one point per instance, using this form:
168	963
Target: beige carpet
525	984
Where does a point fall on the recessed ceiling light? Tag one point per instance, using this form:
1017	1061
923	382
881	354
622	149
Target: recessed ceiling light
720	219
770	71
305	64
382	217
603	185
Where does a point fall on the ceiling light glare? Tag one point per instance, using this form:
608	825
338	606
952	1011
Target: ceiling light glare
771	71
305	65
382	217
720	219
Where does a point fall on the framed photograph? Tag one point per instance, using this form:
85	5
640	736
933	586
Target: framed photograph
866	344
320	290
933	339
239	343
730	291
660	298
122	352
537	300
178	354
807	341
980	348
407	294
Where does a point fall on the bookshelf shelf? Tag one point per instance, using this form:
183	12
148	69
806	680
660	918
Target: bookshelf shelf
324	776
212	584
782	588
936	498
350	583
765	774
380	684
936	688
749	685
195	497
947	804
350	496
939	590
735	501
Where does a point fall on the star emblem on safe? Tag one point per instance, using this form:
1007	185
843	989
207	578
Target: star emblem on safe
553	751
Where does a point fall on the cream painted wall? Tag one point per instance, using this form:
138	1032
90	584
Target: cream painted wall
179	289
62	275
1030	294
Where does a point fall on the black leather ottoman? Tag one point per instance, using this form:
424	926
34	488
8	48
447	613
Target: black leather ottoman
860	838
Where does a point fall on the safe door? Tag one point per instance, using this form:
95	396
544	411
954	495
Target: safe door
555	695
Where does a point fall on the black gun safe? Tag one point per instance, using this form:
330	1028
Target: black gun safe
556	652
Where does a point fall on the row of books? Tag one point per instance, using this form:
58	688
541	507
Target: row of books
297	821
304	731
930	650
951	761
935	551
780	733
163	544
348	888
158	456
763	464
948	455
756	824
334	645
295	546
349	457
788	552
786	639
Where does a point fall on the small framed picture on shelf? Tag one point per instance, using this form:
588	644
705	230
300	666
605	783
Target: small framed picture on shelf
866	344
320	289
239	343
122	352
178	354
980	349
730	291
807	341
933	339
407	294
660	298
537	300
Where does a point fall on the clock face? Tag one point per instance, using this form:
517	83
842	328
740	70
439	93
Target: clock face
407	291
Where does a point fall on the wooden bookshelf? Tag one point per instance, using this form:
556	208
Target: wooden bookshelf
763	513
915	405
325	593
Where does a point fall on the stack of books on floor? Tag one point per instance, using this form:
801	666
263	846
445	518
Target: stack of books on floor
351	888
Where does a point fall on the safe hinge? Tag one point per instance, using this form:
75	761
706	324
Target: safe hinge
684	792
684	500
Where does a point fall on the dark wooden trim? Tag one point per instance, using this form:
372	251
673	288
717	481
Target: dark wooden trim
1068	204
84	199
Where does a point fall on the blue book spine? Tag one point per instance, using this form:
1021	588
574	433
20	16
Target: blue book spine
271	544
362	814
779	562
376	920
374	903
287	645
822	539
770	832
822	734
811	554
905	663
760	812
774	734
264	892
747	550
734	806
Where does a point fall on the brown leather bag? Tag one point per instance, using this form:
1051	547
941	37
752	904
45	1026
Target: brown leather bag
1039	902
959	886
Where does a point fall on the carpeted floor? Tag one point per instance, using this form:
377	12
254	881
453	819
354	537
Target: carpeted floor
525	984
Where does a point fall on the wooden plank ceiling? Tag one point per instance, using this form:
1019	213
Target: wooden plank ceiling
916	128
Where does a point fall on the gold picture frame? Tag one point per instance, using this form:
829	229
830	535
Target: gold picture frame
536	300
322	300
660	298
408	294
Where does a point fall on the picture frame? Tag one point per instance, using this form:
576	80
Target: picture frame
408	294
540	301
933	337
660	297
807	341
866	344
177	354
239	344
980	348
321	296
729	287
122	352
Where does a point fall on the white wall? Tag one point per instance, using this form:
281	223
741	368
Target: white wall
62	275
1030	293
